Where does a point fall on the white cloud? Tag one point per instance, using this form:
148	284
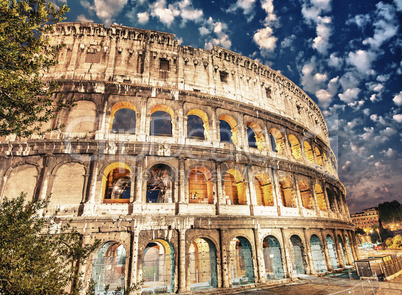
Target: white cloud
324	98
246	5
222	38
388	131
287	42
166	15
187	11
82	18
390	153
143	17
107	10
397	118
335	61
265	39
366	112
385	25
361	60
398	99
349	95
398	4
204	31
361	20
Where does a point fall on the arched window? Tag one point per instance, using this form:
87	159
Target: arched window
317	254
287	192
332	252
277	141
117	183
228	129
235	189
331	199
195	127
326	163
124	121
241	260
123	118
197	124
160	185
297	255
306	195
254	136
273	258
263	189
295	147
162	123
203	264
200	186
318	156
320	197
109	267
308	151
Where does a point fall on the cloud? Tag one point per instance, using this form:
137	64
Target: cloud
82	18
287	42
349	95
397	118
398	99
204	31
388	132
385	25
222	39
398	4
107	10
188	12
246	5
390	153
324	98
314	14
361	60
264	37
143	17
166	15
334	61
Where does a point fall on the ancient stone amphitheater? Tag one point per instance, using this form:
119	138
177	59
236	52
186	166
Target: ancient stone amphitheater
196	168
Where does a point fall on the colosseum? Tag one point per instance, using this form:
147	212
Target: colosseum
197	169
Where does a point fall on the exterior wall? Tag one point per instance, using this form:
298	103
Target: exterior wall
110	69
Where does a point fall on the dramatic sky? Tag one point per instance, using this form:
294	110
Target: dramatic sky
345	54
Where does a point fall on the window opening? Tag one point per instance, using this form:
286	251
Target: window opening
195	127
161	124
160	185
251	138
223	76
118	186
225	131
124	121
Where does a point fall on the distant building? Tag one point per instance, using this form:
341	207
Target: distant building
366	219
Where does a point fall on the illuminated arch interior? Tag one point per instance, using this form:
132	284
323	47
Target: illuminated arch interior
295	147
116	183
326	162
320	197
318	156
234	128
308	151
259	137
200	186
160	184
235	189
263	189
287	192
306	195
277	141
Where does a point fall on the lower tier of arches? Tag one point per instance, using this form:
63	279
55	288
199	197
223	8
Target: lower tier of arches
203	254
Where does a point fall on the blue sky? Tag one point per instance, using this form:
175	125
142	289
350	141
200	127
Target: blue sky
345	54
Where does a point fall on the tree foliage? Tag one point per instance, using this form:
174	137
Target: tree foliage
38	255
25	99
390	211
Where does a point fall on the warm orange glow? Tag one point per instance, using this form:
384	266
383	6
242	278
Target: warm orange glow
295	147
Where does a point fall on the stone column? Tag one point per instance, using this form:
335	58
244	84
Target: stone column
308	255
182	261
134	256
277	191
286	259
224	258
183	183
299	202
139	181
326	252
43	180
260	256
338	250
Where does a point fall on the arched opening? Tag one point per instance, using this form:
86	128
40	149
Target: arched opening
81	117
332	252
273	258
308	151
263	190
197	124
306	195
298	259
320	197
158	267
255	136
287	192
202	265
341	249
235	189
228	129
277	141
326	163
29	174
241	268
116	183
160	184
349	249
318	156
295	147
200	186
331	199
123	118
162	121
109	267
338	202
63	193
317	254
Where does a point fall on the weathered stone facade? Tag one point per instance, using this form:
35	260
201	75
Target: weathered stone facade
196	168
